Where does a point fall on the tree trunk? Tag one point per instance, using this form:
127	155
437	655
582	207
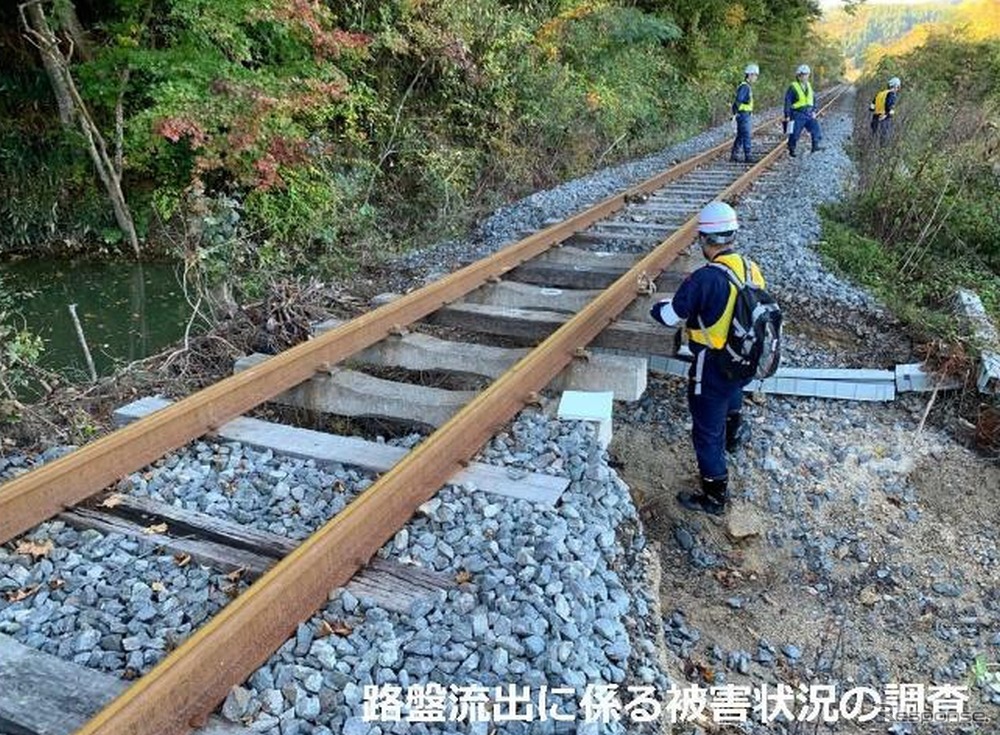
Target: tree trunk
70	22
52	59
57	66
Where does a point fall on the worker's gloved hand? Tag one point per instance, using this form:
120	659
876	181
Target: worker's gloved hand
663	312
681	349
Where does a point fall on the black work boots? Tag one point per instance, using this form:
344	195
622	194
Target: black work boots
737	432
715	492
712	498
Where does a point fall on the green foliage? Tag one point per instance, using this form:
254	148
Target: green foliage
872	32
19	349
868	262
47	190
926	203
877	24
47	185
935	185
267	138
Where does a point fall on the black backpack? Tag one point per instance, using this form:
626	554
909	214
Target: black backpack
753	344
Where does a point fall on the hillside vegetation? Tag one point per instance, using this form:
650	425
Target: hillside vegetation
924	216
260	138
871	32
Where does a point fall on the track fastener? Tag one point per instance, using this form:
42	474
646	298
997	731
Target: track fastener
582	353
646	286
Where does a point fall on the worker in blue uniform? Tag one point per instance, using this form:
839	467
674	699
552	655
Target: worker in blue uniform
883	107
704	303
743	113
800	110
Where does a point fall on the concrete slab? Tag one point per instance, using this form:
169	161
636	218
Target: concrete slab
842	390
589	406
914	377
350	393
978	323
624	376
330	448
988	380
794	382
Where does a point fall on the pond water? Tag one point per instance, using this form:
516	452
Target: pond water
128	311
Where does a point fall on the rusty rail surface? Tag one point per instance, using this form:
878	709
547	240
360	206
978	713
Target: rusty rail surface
190	682
60	484
186	685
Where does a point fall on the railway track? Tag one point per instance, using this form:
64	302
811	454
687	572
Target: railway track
584	281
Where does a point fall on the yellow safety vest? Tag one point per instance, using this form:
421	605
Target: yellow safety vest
714	335
880	102
804	97
746	106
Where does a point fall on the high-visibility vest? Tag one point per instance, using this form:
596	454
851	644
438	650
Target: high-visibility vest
880	102
714	335
803	97
748	105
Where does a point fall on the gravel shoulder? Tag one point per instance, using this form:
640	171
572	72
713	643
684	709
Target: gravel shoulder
860	550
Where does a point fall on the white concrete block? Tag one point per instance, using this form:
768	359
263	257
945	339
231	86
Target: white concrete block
578	405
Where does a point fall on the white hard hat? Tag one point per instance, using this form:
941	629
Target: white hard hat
717	218
752	69
894	83
803	69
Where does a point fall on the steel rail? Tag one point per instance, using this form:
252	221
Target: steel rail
52	488
183	688
56	486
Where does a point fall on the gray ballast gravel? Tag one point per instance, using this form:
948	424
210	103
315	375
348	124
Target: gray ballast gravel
552	598
104	601
281	495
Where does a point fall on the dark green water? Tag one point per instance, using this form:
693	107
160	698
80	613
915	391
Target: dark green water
127	311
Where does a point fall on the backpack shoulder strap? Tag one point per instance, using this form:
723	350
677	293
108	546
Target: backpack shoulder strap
754	275
731	274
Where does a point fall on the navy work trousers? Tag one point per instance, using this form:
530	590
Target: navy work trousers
742	135
711	399
804	121
882	129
